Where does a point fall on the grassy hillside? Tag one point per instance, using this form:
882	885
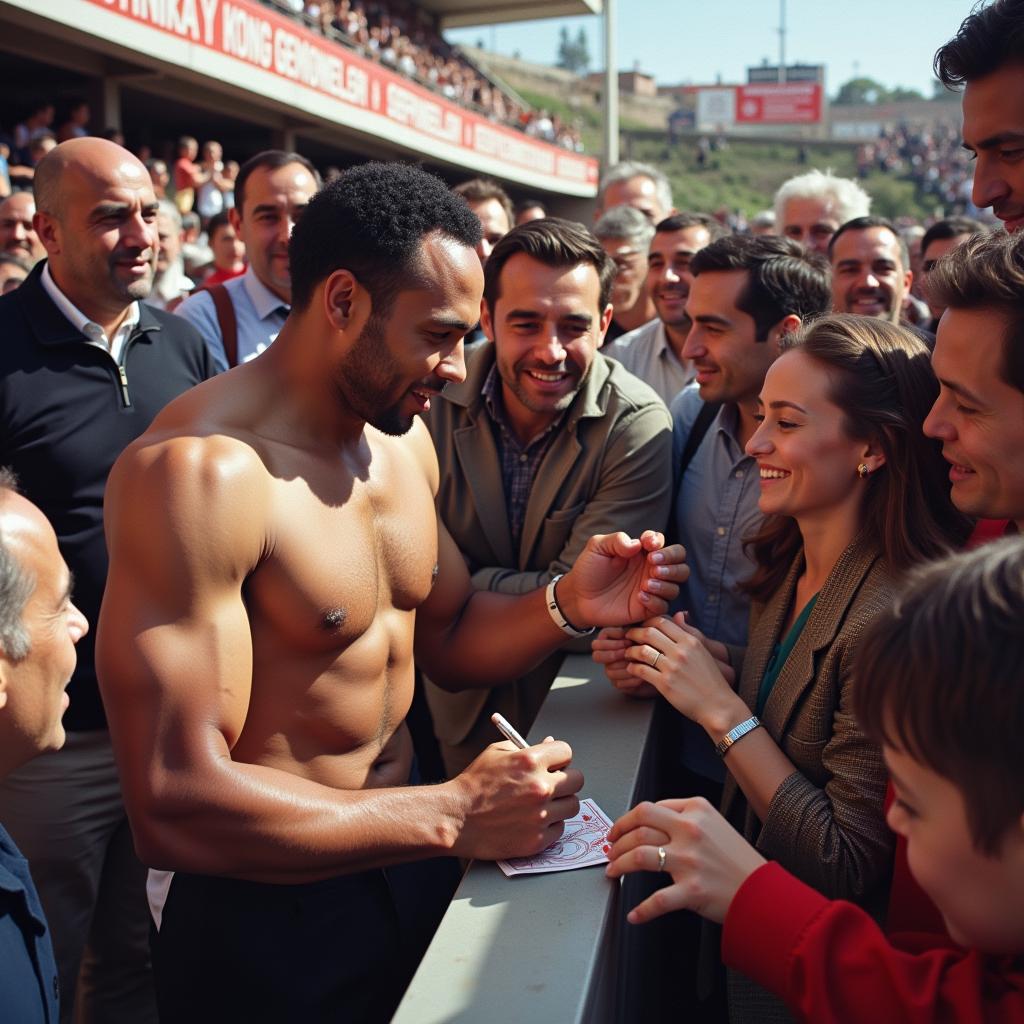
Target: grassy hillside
745	175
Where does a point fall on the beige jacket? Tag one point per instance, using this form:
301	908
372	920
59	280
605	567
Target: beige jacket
608	469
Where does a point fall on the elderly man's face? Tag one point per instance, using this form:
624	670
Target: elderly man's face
33	687
812	222
630	271
639	192
17	235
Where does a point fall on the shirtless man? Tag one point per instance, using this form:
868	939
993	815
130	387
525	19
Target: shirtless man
273	540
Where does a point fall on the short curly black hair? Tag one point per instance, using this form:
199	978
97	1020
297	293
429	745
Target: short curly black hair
371	221
989	37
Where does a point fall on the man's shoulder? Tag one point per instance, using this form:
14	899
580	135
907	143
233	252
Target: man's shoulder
631	392
198	305
645	334
685	408
170	324
632	348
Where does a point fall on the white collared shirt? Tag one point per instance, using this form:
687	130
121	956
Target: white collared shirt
647	354
93	332
259	313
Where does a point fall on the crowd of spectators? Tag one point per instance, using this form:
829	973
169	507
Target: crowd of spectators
405	37
928	155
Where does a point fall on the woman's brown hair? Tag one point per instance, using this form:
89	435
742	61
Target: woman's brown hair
882	381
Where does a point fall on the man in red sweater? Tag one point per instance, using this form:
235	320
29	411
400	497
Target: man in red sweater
940	685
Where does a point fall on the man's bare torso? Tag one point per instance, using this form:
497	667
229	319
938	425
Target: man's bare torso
347	551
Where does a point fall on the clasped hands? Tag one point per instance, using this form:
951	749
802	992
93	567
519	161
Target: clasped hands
669	656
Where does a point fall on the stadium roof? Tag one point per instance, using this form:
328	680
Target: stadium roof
457	13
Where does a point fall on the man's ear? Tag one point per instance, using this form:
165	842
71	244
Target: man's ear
908	281
787	325
341	290
5	671
235	219
486	321
48	230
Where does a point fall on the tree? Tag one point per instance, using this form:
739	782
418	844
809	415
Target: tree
867	90
860	90
944	95
582	50
573	55
901	95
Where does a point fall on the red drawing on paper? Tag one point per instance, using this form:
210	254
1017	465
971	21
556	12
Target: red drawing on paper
583	843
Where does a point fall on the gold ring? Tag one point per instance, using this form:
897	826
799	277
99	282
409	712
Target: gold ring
661	858
657	655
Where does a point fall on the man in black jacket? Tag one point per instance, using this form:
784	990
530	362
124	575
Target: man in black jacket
84	369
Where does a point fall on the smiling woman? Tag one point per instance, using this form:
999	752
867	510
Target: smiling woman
855	495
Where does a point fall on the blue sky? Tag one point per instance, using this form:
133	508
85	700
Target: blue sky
892	41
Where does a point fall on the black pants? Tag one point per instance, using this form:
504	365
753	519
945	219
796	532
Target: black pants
340	950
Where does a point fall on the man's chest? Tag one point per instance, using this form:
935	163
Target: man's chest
343	552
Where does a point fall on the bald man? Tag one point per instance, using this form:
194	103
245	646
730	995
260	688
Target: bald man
84	368
17	235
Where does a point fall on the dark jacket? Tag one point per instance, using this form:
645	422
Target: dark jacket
67	411
28	971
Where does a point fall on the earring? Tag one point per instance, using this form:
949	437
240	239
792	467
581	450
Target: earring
862	471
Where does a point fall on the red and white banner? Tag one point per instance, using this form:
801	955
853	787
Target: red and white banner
722	106
787	103
268	42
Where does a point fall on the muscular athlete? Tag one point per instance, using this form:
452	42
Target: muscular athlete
276	561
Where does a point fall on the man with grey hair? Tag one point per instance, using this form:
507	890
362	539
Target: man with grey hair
625	235
810	207
84	368
638	185
39	627
170	285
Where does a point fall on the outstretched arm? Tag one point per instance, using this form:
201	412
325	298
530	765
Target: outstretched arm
174	657
467	638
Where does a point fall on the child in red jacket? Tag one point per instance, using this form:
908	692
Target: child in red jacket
940	685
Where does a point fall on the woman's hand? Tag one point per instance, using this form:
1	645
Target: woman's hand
678	664
716	648
706	857
608	649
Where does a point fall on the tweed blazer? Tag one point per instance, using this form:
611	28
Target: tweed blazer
609	468
826	822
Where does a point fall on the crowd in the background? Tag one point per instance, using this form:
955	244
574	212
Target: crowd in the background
404	37
930	156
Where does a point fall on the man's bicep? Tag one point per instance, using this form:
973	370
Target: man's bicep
174	652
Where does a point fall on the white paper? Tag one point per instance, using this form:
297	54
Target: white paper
584	843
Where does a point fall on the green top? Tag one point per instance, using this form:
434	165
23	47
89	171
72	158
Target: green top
780	652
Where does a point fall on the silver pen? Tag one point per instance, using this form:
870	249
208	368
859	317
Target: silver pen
507	731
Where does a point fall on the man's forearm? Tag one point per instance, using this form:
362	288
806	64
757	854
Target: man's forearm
253	822
496	638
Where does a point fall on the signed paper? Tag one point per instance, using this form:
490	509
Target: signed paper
583	844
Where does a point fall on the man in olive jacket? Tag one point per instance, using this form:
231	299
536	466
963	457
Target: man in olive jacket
545	443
